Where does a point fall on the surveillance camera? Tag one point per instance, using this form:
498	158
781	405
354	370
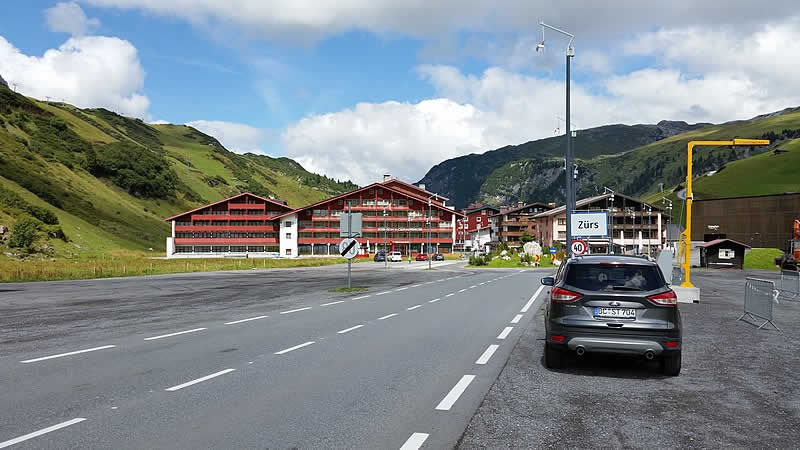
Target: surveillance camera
540	46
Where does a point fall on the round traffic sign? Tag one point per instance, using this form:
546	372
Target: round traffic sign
578	247
348	248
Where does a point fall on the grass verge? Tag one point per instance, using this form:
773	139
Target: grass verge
128	266
514	263
762	258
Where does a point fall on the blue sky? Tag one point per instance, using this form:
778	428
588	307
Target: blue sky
361	88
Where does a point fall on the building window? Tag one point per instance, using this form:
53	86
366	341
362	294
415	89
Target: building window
287	224
288	235
320	212
288	252
562	221
340	202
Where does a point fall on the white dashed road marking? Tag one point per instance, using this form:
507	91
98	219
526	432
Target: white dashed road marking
384	292
67	354
516	318
332	303
450	399
173	334
199	380
415	441
401	289
245	320
484	358
450	295
387	316
434	300
291	349
413	308
50	429
503	334
347	330
296	310
359	298
461	290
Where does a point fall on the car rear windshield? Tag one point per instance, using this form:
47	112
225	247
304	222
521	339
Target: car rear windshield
614	277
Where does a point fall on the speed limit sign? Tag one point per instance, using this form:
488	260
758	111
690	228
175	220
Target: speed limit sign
578	247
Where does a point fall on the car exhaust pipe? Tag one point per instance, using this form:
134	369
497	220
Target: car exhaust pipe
580	350
650	355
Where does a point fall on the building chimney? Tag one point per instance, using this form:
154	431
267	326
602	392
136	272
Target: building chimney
421	186
387	177
552	204
520	204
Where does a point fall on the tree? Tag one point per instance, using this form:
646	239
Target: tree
23	233
526	237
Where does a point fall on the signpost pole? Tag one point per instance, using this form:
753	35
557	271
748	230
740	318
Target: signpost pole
349	234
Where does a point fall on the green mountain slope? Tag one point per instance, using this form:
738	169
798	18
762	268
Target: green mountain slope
110	180
462	178
643	170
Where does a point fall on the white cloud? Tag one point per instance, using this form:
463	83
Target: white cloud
93	71
159	122
68	17
237	137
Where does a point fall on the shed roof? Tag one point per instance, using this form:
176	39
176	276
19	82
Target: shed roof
720	241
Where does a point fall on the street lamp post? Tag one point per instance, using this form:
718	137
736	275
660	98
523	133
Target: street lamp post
430	224
611	220
385	252
568	166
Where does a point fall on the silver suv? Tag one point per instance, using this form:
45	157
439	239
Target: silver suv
612	304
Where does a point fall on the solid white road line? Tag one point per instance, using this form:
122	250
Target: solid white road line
67	354
153	338
347	330
449	400
503	334
487	354
199	380
434	300
413	308
290	349
450	294
384	292
295	310
332	303
532	299
516	318
387	316
415	441
359	298
245	320
59	426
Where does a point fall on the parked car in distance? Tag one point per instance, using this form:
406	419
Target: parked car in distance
395	257
612	304
438	257
422	257
380	256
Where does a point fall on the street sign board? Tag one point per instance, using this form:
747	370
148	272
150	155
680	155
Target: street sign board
348	248
552	250
578	247
355	224
587	224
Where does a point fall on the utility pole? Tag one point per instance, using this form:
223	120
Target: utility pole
385	250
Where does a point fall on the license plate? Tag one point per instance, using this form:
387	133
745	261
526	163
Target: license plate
616	313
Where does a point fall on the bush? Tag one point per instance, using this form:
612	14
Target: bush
478	260
23	233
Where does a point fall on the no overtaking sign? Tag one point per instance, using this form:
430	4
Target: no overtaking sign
348	248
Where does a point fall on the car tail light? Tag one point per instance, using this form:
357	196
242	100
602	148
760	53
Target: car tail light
563	296
664	299
673	344
557	338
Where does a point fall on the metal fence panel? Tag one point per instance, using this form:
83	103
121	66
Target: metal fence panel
790	283
758	297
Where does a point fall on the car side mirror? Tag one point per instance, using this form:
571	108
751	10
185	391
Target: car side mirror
548	281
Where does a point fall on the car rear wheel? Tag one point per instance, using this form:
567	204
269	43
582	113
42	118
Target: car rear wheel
671	364
553	358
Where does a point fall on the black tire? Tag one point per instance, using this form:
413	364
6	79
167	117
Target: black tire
553	358
671	364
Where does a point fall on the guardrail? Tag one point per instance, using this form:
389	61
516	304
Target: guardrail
758	297
790	284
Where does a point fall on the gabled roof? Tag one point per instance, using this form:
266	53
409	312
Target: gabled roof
590	200
720	241
373	185
520	208
268	200
481	208
423	191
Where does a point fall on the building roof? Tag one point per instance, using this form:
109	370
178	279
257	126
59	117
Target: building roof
720	241
373	185
481	208
746	196
520	208
268	200
422	191
589	200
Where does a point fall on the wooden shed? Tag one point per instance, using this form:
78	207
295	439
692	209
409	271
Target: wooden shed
722	254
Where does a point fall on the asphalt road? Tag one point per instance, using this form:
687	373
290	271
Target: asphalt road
257	359
738	387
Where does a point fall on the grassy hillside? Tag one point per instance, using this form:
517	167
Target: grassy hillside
640	171
108	180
